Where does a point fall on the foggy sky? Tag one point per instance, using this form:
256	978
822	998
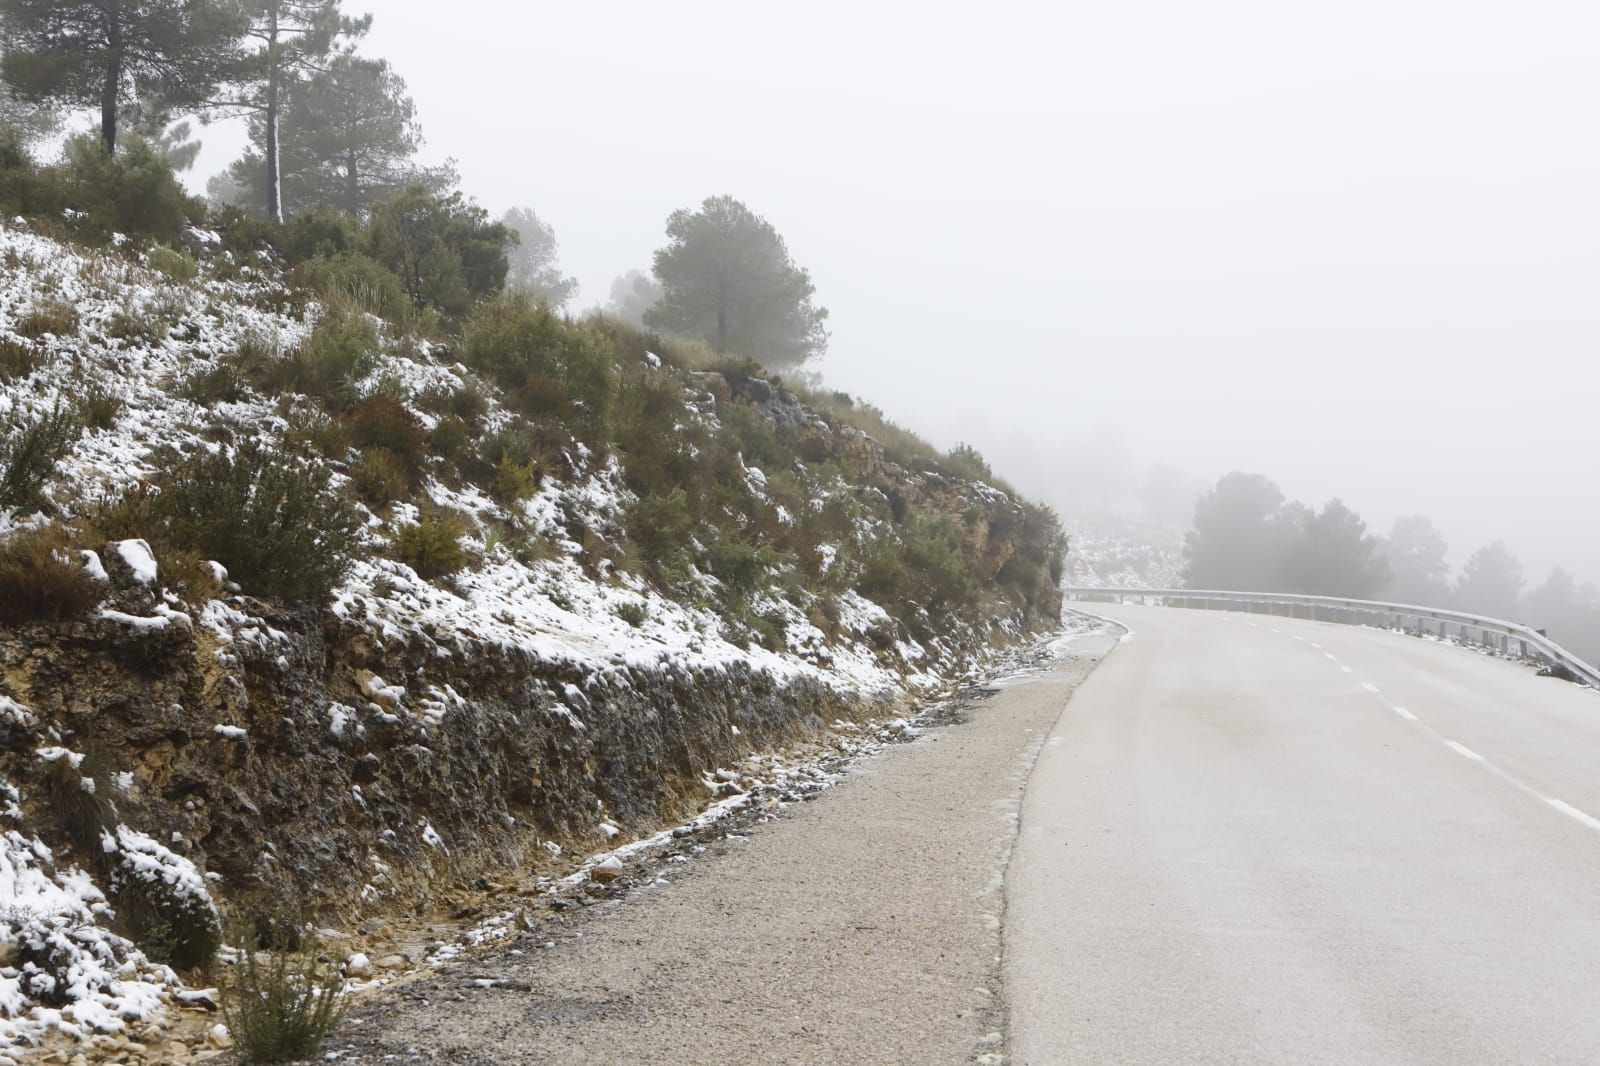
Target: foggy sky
1354	246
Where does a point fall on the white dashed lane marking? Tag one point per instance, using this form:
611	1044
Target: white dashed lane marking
1583	818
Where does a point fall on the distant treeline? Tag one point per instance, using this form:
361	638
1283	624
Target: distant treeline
1248	536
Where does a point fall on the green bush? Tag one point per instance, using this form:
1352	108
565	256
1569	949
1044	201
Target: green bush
338	353
133	192
966	462
632	613
386	423
432	545
321	234
43	579
173	264
26	189
469	402
379	477
513	483
353	282
280	1007
450	438
661	526
933	554
29	451
555	368
270	519
665	446
740	564
445	250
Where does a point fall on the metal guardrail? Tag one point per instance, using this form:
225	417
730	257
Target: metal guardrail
1505	638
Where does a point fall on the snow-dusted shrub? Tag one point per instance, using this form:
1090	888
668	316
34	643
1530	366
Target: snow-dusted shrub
162	900
432	545
385	422
53	317
75	791
354	282
18	359
341	349
271	519
43	578
172	264
379	477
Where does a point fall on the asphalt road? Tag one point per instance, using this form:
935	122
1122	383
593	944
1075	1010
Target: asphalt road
1254	840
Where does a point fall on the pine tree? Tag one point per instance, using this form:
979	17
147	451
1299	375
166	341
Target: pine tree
533	260
727	279
297	40
105	54
347	139
1491	582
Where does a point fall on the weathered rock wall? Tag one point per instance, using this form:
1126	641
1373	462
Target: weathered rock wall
343	794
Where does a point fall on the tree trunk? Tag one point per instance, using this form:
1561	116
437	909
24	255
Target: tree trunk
722	319
352	185
111	90
274	174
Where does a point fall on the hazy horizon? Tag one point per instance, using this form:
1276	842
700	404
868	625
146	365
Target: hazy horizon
1350	247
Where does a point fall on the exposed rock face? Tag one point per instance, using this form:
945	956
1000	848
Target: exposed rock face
332	798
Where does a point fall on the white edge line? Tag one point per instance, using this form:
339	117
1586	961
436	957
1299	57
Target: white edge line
1463	751
1572	812
1403	713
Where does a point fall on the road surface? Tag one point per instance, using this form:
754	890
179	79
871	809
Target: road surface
1256	840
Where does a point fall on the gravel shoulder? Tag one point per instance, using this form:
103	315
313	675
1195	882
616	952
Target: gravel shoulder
861	927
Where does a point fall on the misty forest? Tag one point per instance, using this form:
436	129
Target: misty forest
521	541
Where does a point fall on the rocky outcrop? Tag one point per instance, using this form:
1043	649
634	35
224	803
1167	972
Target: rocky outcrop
313	769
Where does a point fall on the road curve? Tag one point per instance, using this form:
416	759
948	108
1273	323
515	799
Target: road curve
1256	840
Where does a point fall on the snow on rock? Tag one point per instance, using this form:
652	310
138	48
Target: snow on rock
380	691
94	567
13	713
136	560
230	732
